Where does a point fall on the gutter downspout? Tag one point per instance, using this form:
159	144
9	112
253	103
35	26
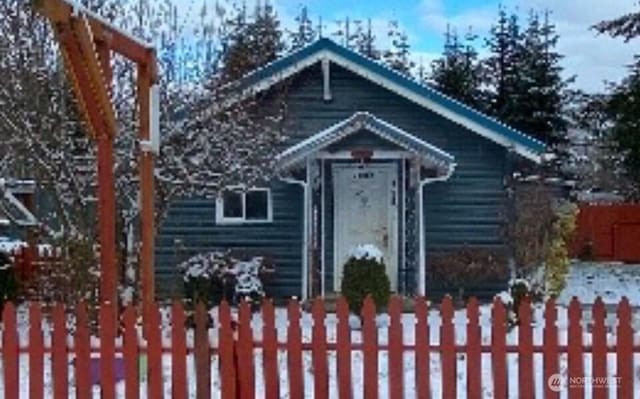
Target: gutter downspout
422	261
305	236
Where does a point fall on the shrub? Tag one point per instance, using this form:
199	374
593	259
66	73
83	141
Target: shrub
232	276
365	274
519	289
469	265
8	281
557	260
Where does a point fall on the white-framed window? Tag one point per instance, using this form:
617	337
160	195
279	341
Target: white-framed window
236	205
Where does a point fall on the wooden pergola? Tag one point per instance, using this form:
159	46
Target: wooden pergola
87	42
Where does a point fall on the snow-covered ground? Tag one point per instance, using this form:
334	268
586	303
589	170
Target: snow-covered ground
611	281
585	281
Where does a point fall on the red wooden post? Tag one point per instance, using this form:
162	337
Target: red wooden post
370	348
499	349
599	353
154	353
10	352
60	354
294	352
423	356
448	350
83	353
130	354
343	341
525	351
319	351
107	350
574	350
178	352
226	354
396	366
270	351
244	354
550	349
474	351
36	352
624	350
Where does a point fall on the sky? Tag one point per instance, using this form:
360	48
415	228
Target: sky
591	58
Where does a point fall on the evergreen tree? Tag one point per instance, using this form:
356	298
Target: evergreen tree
251	42
457	72
624	105
397	57
305	32
502	68
365	40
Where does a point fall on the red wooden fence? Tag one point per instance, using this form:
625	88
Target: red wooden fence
231	341
609	232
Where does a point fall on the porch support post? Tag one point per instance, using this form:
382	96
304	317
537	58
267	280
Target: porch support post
306	270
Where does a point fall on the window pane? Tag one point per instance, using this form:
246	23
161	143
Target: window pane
232	204
257	205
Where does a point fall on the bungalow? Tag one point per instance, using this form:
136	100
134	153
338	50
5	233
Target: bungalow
373	157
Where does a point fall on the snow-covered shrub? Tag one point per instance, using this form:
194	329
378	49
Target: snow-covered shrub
365	274
8	281
519	289
217	275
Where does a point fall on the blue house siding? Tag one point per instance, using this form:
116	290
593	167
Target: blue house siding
465	210
193	222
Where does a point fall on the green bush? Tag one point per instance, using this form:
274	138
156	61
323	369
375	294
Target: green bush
365	276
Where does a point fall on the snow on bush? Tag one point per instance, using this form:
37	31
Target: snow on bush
366	251
220	275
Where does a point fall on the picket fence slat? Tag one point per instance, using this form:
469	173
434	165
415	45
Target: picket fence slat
10	352
245	353
83	353
370	348
574	351
294	351
525	352
178	352
396	365
423	359
344	350
36	352
624	354
131	354
154	356
499	349
599	369
474	353
202	354
448	351
550	340
270	351
107	350
235	350
60	354
319	351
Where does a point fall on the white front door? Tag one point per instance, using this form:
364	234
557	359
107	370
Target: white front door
366	212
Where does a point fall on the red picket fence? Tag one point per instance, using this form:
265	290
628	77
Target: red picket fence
608	232
236	347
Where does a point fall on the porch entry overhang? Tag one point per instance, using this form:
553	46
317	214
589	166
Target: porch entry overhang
363	195
427	154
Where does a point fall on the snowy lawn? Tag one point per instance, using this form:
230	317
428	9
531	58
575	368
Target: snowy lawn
611	281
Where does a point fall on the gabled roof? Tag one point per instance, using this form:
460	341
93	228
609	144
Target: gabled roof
282	68
427	153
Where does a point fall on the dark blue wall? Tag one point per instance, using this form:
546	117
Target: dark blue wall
466	210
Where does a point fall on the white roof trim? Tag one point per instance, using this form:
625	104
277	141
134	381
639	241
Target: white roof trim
355	123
